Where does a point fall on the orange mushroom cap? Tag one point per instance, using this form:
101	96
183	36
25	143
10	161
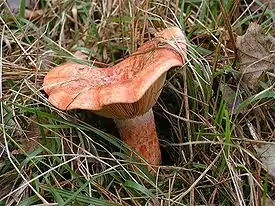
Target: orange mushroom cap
108	90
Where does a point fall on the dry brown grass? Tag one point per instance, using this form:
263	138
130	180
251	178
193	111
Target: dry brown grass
208	151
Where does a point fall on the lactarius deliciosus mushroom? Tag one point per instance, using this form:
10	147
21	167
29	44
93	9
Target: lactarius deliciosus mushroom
125	92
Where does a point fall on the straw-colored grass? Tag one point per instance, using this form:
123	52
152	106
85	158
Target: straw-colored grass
52	157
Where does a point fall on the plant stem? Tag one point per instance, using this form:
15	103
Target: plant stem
140	133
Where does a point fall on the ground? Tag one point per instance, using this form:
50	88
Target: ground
213	121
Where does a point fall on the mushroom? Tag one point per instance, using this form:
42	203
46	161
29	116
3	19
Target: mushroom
125	92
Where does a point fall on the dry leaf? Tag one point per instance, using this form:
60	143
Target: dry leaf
267	153
270	4
270	202
28	145
256	53
232	101
32	140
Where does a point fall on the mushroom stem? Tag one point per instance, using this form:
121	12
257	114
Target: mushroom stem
140	133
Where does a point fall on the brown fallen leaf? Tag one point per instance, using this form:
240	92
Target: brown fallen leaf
256	52
262	4
32	142
270	202
267	156
232	99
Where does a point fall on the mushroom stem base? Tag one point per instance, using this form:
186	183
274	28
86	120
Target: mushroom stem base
140	133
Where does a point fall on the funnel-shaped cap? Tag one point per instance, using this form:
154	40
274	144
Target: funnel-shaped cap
128	89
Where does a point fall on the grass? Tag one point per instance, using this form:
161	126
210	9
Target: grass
76	158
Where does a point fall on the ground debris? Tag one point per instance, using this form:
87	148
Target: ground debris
256	54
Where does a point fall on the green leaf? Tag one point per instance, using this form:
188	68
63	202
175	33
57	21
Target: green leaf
22	8
268	93
227	134
80	198
29	201
138	187
57	196
82	126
